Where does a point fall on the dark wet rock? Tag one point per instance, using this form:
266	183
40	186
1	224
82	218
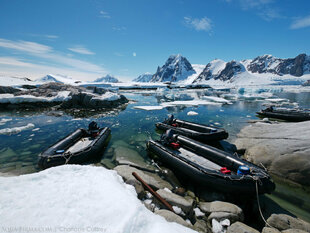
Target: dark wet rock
282	148
239	227
151	179
8	90
284	222
27	86
307	83
176	200
172	217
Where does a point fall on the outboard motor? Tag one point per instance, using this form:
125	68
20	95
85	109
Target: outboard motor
170	120
93	129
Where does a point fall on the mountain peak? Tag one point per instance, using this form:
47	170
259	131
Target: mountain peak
176	68
107	79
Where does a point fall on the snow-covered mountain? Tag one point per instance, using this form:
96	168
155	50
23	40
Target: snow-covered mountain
176	68
143	78
264	69
107	79
56	78
297	66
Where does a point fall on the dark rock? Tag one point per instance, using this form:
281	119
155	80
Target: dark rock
26	86
8	90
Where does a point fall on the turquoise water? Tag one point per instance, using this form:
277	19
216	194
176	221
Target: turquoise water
131	128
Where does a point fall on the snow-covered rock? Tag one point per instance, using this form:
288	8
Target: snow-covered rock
177	68
76	198
56	78
143	78
107	79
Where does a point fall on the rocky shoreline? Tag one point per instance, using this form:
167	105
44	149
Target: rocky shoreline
60	96
283	148
200	210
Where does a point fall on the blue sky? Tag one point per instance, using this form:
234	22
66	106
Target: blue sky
86	39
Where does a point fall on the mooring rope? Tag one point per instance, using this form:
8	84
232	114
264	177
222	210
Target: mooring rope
260	211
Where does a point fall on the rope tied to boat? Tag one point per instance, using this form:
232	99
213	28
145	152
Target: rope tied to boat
67	158
257	180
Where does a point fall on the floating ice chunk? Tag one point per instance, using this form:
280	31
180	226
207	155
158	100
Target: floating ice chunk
216	99
189	103
217	123
16	130
3	121
192	113
149	108
36	129
276	100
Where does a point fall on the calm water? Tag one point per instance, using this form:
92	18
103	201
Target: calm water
132	127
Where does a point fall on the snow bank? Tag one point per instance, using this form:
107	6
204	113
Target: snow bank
75	198
15	130
10	98
109	96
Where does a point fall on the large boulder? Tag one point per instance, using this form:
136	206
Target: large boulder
172	217
220	210
284	222
176	200
151	179
283	148
239	227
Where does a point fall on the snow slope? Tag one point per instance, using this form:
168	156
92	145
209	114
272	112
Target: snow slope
73	198
13	81
57	78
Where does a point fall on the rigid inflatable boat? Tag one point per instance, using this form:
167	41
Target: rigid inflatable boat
192	130
78	147
286	114
210	167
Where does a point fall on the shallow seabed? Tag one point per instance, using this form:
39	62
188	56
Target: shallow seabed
132	127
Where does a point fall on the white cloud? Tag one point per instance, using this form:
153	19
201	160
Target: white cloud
247	4
51	36
301	23
134	54
25	46
122	28
47	55
118	54
104	14
203	24
81	50
10	66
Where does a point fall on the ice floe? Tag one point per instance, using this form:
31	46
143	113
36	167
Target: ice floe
149	108
73	198
192	113
16	130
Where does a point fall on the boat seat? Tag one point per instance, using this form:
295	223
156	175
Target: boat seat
199	159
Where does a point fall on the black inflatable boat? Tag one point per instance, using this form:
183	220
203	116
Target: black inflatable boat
286	114
78	147
210	167
200	132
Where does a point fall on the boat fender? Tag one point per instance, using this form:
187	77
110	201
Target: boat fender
243	170
175	145
224	170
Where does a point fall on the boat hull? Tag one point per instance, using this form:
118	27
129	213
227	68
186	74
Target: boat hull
295	117
227	183
49	158
195	131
